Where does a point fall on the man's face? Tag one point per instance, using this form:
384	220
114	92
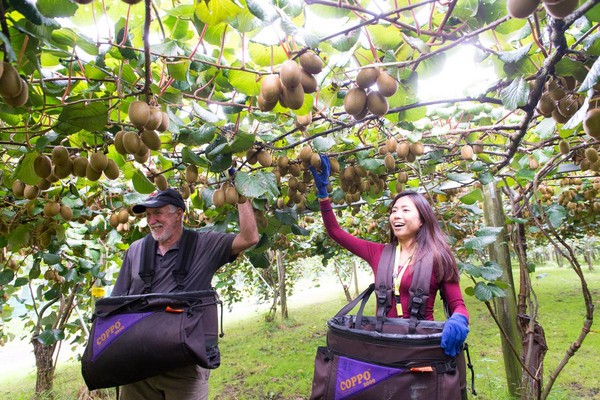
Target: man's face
163	222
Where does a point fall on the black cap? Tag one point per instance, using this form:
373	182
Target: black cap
160	198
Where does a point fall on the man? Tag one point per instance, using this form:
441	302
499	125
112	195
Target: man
164	213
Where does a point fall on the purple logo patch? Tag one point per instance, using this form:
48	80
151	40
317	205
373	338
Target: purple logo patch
109	328
355	376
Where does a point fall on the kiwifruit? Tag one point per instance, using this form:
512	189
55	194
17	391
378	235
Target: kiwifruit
521	8
270	88
151	139
334	165
294	169
546	105
561	9
83	1
112	170
91	173
564	147
386	84
391	143
466	152
591	123
44	184
367	77
264	158
79	165
402	177
139	113
142	155
123	216
18	188
131	2
382	150
311	62
533	163
377	104
554	91
567	106
10	81
389	162
131	142
51	209
558	117
355	101
478	147
302	121
21	98
52	178
42	165
231	195
118	142
185	191
61	171
218	198
315	160
98	161
290	74
161	182
251	156
31	192
264	105
113	220
60	155
308	82
361	114
417	148
305	153
66	212
293	98
164	122
191	173
283	162
154	118
591	154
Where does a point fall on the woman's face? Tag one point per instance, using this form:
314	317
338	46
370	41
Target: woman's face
405	220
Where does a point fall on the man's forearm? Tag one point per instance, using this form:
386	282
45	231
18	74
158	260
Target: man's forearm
248	235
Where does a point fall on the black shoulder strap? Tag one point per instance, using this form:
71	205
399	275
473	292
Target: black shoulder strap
419	288
383	283
182	264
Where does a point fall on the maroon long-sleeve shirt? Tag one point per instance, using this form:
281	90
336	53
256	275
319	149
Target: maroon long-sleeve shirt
371	253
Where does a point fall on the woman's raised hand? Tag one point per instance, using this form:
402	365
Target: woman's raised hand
321	177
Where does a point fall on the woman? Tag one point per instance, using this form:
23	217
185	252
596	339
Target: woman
414	228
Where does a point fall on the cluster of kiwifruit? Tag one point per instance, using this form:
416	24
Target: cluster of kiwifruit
591	122
404	150
363	98
559	99
559	9
590	160
54	208
569	197
227	194
259	155
148	120
468	150
13	89
119	219
52	275
294	80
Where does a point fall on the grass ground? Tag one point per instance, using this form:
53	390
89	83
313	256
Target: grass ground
274	360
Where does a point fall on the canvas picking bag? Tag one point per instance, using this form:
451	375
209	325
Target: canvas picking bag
388	358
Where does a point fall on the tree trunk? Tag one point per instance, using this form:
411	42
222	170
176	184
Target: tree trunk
282	289
506	307
45	370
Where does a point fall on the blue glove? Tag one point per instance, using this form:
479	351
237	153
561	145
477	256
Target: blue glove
454	334
321	178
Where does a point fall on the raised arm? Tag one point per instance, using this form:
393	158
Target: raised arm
248	235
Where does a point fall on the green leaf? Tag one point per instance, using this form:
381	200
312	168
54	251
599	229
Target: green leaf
51	336
297	230
89	116
256	184
245	82
51	259
516	94
482	292
491	271
515	55
67	38
385	37
30	11
141	183
189	157
57	8
242	142
262	10
6	276
179	69
215	12
472	197
19	236
346	42
262	55
259	260
25	170
556	214
287	216
196	137
591	78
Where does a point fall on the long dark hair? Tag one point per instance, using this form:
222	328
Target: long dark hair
430	238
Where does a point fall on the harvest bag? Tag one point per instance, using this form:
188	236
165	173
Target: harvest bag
369	358
138	336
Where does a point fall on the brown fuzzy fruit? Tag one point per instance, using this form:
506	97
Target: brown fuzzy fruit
60	155
21	98
139	113
308	82
478	147
92	174
560	10
79	166
290	74
164	122
466	152
154	118
355	101
315	160
264	158
521	8
131	142
305	153
264	105
142	155
391	143
62	171
51	209
591	123
113	220
311	62
118	142
293	98
417	148
151	139
218	198
564	147
231	195
66	212
191	173
591	154
10	81
31	192
42	165
161	182
367	77
389	162
98	161
533	163
270	88
386	84
377	104
402	149
112	170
